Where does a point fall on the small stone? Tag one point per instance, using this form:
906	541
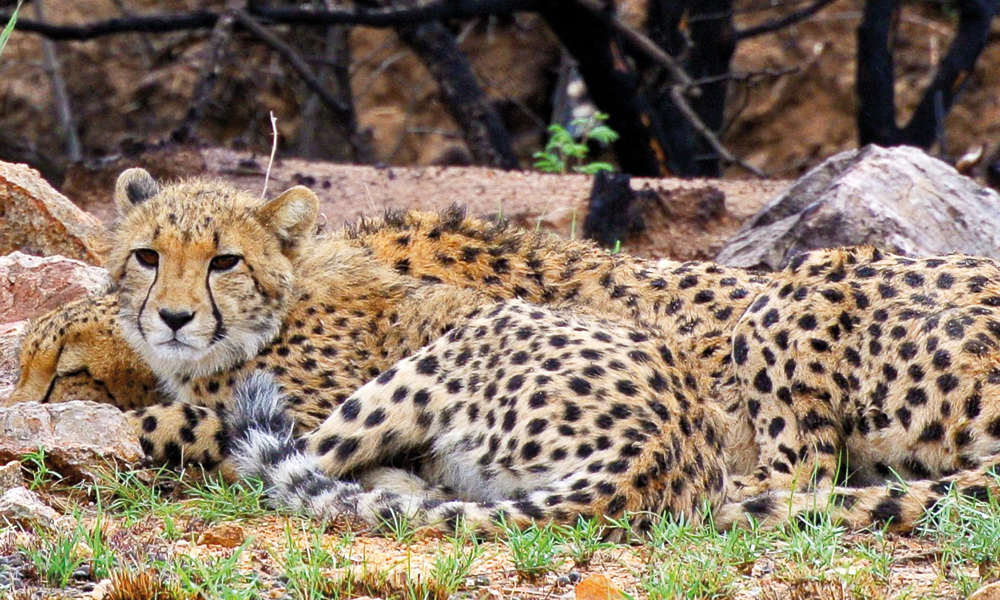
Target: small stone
101	589
597	587
23	507
79	438
227	535
81	574
10	476
562	580
574	576
987	592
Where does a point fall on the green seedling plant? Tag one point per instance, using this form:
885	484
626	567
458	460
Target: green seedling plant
533	550
306	567
40	473
583	540
563	152
9	28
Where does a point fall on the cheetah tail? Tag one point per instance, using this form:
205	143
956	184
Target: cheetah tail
263	446
896	507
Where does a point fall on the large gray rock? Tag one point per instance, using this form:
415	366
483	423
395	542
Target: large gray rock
900	199
79	438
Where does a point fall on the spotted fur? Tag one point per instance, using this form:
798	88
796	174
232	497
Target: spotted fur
847	368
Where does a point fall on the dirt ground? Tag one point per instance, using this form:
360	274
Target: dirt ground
257	549
683	219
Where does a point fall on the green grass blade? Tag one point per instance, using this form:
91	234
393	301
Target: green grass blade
5	35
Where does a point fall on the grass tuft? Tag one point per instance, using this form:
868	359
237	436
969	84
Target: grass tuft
9	28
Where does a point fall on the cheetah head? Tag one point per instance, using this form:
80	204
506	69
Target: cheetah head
205	273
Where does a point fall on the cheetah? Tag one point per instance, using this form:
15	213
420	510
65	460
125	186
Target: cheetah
853	367
212	285
520	413
858	367
82	347
327	318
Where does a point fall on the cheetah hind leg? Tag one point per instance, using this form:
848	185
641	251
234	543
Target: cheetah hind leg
895	507
176	434
263	445
401	482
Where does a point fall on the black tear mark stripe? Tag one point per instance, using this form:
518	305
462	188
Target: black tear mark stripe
142	308
220	329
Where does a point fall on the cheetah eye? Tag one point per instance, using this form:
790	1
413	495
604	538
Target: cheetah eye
147	258
224	262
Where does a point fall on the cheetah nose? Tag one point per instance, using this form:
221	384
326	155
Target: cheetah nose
175	319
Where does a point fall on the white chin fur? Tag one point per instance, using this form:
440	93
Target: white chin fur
169	361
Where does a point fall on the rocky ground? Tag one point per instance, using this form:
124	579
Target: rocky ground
74	530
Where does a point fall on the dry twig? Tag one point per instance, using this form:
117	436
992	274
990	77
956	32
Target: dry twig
299	64
59	93
214	54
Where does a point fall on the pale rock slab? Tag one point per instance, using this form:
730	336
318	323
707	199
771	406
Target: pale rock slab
899	199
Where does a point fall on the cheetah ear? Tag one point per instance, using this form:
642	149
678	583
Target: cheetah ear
134	186
291	216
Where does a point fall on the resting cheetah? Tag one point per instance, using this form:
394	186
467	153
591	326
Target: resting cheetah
355	310
856	366
520	412
81	347
213	285
851	364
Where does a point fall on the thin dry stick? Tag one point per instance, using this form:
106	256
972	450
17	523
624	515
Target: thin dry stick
274	148
300	65
214	54
64	111
677	95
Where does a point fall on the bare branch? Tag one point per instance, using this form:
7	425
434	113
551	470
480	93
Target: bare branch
463	97
60	94
206	82
299	64
435	10
201	19
683	82
696	123
786	21
639	42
